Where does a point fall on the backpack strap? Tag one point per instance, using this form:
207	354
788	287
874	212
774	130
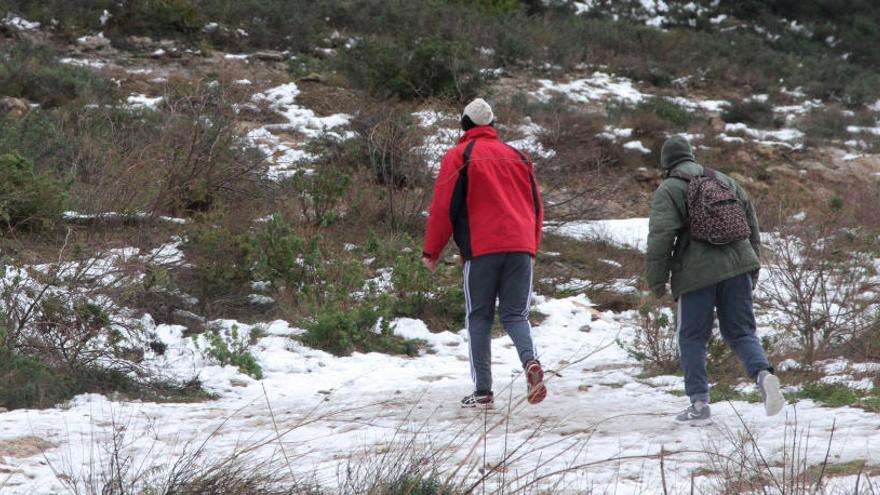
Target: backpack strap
710	173
679	175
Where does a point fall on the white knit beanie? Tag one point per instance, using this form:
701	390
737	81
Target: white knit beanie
479	111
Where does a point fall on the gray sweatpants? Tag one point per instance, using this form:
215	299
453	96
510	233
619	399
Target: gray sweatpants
506	277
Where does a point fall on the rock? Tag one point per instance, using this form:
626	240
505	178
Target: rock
269	56
738	177
13	108
782	170
644	174
717	124
743	157
142	41
93	43
767	152
313	77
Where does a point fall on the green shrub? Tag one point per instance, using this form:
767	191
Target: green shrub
493	7
31	382
342	331
414	69
33	72
722	392
828	394
826	123
221	259
28	199
229	348
286	259
436	298
321	193
416	484
657	111
752	112
654	344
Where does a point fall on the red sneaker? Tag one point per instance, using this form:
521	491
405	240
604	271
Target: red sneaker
537	392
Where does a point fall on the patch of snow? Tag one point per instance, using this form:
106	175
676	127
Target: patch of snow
853	129
284	155
599	87
83	62
636	146
19	23
143	101
612	133
783	137
630	232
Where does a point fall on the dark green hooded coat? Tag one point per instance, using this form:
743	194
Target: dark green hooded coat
693	264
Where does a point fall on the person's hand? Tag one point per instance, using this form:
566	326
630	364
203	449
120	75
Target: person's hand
430	264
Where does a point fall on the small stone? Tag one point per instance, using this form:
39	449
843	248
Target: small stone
13	108
269	56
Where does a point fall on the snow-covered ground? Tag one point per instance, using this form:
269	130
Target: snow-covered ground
601	427
284	155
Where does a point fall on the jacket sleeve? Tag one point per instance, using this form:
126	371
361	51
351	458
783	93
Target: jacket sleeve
752	218
439	221
663	228
539	211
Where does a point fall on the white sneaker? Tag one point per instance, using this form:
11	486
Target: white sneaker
768	384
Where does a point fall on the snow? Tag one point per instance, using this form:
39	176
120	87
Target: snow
329	410
637	146
105	16
863	130
83	62
284	156
19	23
442	135
82	40
599	87
783	137
612	133
583	7
530	143
713	106
143	101
630	232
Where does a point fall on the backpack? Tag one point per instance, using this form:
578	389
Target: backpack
716	214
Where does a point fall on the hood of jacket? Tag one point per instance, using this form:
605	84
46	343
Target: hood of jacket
675	150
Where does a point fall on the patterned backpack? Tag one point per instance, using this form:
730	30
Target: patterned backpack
716	215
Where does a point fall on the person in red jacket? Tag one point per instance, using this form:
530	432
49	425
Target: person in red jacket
487	198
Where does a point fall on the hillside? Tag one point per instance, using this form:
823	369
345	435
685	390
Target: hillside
213	215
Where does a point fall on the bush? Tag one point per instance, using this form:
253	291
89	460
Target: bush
752	112
655	344
229	348
30	382
33	72
436	298
27	199
290	262
221	261
414	69
320	193
826	123
822	278
365	328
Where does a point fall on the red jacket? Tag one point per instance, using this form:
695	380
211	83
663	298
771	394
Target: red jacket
486	196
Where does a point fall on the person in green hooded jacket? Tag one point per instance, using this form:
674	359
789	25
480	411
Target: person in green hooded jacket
706	277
